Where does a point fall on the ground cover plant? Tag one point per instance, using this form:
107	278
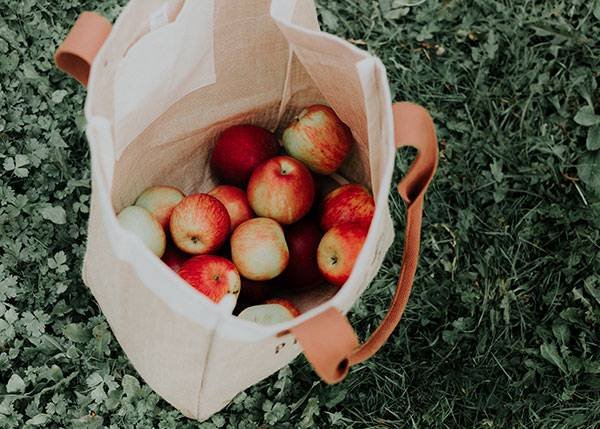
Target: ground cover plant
503	326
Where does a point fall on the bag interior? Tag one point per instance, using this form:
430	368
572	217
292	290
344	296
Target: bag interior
260	79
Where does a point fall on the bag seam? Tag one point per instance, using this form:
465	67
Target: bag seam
207	360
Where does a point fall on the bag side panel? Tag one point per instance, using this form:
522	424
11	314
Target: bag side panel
168	350
355	85
235	365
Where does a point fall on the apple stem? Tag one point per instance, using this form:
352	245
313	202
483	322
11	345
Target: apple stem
301	114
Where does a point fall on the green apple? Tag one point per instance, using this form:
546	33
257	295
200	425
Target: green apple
142	224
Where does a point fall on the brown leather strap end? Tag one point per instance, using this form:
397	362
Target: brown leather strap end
76	54
414	127
329	350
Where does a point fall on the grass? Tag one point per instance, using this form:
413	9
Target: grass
502	327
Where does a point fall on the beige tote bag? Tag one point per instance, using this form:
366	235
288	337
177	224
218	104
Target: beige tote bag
163	82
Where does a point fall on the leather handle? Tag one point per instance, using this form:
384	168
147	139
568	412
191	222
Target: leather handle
77	52
328	340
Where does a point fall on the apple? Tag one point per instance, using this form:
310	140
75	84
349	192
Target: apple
214	276
302	271
258	249
160	201
174	258
266	314
318	138
287	304
142	224
239	150
348	203
281	188
236	203
338	251
254	292
199	224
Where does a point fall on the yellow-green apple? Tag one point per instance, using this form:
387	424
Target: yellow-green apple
199	224
281	188
338	251
174	258
348	203
239	150
266	314
302	272
160	201
258	249
236	203
214	276
142	224
287	304
318	138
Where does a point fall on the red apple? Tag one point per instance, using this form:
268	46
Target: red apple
239	150
338	251
318	138
254	292
236	203
266	314
287	304
199	224
282	189
348	203
213	276
302	271
174	258
160	201
143	225
258	249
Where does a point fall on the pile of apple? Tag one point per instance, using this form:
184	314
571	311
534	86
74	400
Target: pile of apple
261	233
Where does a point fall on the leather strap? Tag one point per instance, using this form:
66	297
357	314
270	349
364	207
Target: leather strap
328	340
77	52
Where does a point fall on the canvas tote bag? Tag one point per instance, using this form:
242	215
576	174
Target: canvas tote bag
163	82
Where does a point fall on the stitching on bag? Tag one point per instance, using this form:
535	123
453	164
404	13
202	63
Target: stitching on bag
379	249
205	366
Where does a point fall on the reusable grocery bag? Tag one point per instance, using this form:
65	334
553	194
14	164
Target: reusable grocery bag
163	82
